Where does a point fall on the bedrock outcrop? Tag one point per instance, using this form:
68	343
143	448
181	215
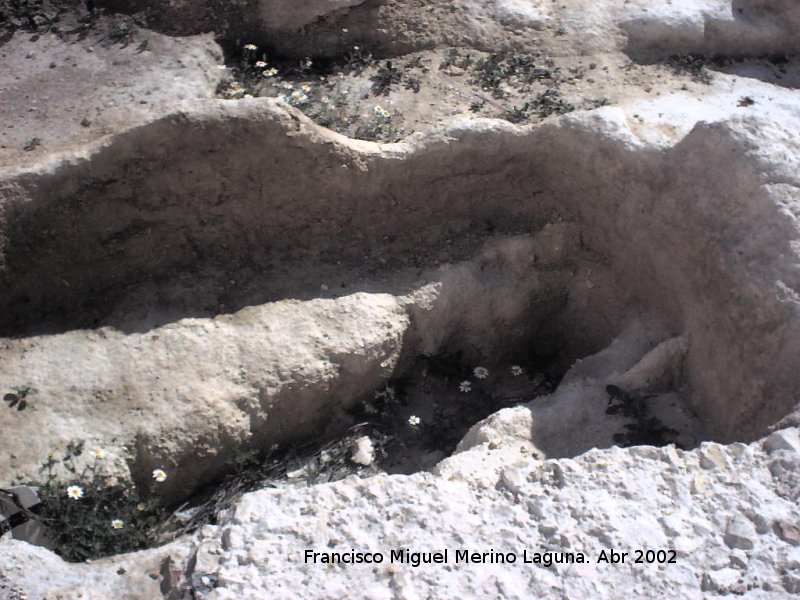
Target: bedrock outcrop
727	514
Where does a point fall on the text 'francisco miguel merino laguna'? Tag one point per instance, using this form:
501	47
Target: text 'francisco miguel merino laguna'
415	559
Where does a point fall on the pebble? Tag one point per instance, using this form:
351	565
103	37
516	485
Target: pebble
739	559
712	456
786	439
788	532
721	580
740	533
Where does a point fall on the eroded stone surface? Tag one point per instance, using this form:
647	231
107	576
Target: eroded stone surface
481	499
184	397
655	261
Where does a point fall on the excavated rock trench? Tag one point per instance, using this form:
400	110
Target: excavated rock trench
233	276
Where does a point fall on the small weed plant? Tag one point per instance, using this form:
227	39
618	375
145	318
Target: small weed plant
520	70
691	64
18	397
386	76
381	127
95	514
644	429
356	59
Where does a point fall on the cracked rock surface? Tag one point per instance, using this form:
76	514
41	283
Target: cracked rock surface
726	525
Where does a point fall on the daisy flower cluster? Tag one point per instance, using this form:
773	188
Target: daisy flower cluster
382	112
235	90
255	64
97	513
479	373
483	373
297	97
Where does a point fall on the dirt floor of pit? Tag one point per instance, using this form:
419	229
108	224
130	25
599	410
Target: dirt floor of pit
111	73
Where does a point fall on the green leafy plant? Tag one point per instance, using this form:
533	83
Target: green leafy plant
121	30
18	397
549	103
504	66
416	63
454	59
357	58
545	104
598	102
644	429
386	76
518	115
413	83
691	64
382	127
32	144
97	515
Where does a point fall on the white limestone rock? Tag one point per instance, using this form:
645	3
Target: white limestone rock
740	533
601	500
363	451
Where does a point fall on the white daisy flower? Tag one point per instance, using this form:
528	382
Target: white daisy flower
99	453
234	89
260	64
465	386
480	372
160	475
379	110
250	47
75	492
141	506
117	523
516	370
307	63
297	97
414	420
272	72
